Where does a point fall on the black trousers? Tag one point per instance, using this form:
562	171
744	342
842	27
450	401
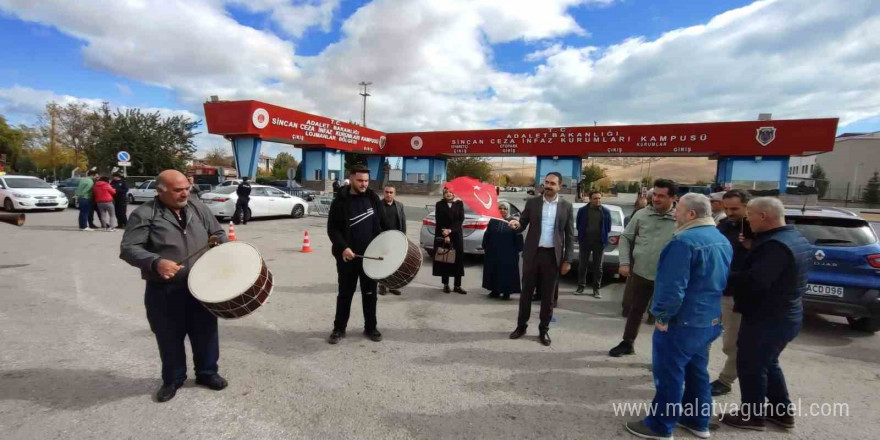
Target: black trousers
639	291
542	275
759	344
445	280
241	208
173	314
348	275
597	250
121	206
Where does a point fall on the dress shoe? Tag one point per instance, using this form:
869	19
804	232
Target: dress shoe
544	337
579	290
460	290
596	293
719	388
212	381
625	348
374	335
167	391
395	292
518	333
446	288
382	290
738	421
784	420
335	336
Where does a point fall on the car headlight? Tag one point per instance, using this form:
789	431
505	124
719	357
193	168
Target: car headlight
20	196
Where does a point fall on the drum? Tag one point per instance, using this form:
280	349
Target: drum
231	280
401	259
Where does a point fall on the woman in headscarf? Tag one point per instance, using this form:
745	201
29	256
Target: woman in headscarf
501	260
449	215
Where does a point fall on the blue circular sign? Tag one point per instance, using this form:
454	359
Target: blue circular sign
123	156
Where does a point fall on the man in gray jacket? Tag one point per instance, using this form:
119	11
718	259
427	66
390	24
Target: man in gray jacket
640	244
160	235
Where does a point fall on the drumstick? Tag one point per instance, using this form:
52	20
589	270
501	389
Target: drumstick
212	241
370	258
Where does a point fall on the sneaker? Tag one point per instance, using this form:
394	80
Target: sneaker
719	388
374	335
579	291
784	420
641	430
697	432
625	348
738	421
335	336
596	293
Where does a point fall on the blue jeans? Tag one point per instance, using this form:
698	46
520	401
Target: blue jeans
85	210
759	344
681	378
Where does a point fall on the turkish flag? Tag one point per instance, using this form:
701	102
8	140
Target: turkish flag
481	197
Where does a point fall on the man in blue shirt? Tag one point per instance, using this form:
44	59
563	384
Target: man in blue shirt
691	276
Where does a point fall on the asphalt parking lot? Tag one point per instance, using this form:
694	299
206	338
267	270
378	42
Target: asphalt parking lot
78	361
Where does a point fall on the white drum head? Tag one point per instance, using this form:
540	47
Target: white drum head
225	272
391	246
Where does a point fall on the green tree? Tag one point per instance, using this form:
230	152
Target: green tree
592	173
13	142
217	157
352	159
871	193
476	167
283	161
76	129
26	165
821	180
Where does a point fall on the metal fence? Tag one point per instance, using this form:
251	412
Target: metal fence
320	206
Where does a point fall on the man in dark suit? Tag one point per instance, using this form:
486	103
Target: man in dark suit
547	253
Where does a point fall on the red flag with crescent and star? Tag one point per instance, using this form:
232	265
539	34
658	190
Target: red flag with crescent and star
481	197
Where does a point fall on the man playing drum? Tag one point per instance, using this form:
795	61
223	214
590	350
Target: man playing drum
355	219
160	235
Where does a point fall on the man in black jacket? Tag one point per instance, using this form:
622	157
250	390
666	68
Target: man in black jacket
120	200
241	205
768	292
355	219
395	218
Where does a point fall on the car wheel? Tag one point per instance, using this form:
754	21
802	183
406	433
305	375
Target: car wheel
865	324
248	215
298	211
131	199
74	203
8	206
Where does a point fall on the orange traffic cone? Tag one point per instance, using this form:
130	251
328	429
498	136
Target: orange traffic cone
232	232
307	246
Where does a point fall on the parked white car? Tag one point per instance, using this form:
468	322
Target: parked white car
230	182
473	228
266	201
143	192
27	193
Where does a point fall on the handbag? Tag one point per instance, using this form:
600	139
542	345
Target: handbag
444	254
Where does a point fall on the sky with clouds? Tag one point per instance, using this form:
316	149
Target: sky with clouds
451	64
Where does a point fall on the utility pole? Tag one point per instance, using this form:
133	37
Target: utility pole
364	84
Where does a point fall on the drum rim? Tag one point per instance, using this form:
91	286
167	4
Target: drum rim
252	282
394	232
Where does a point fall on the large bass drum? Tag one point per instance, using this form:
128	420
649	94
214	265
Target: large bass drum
401	259
231	280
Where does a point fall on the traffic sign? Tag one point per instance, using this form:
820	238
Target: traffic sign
123	156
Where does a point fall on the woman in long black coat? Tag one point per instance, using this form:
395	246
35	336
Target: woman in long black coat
449	215
501	260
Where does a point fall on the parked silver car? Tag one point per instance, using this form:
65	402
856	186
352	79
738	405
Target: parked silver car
473	229
611	261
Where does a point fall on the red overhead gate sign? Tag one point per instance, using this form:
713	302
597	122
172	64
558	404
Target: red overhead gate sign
747	138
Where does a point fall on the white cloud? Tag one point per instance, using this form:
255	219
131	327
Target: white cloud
24	104
431	62
124	89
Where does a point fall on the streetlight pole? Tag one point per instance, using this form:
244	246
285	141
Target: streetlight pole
364	84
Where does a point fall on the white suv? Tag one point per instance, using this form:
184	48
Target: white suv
27	193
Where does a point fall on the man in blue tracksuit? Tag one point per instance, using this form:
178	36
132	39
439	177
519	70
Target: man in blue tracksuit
593	225
691	276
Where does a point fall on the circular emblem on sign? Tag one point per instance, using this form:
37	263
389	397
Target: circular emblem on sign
820	255
260	118
416	143
382	141
123	156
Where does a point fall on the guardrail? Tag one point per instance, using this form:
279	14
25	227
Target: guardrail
320	206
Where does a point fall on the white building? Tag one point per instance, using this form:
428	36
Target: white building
855	158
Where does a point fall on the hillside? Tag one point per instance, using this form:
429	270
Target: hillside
680	169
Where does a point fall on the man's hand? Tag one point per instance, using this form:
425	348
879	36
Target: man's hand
514	224
623	270
660	326
746	242
566	266
167	268
347	254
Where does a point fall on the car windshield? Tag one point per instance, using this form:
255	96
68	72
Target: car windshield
834	231
225	190
23	182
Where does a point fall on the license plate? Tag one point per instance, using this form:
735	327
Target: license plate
46	204
822	290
